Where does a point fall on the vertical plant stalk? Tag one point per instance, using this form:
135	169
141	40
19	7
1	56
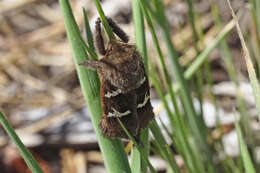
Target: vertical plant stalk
140	148
180	134
140	32
27	156
89	33
160	54
184	90
113	152
232	74
257	13
107	28
154	127
163	147
248	164
249	64
199	80
137	164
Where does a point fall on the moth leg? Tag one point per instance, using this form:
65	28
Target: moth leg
99	66
117	30
98	38
92	64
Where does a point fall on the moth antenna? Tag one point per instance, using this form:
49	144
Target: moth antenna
99	38
91	64
117	30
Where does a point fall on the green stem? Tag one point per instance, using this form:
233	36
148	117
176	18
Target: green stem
138	146
114	156
138	165
27	156
103	18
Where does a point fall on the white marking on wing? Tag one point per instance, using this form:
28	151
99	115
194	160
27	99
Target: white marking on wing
143	80
115	113
113	93
146	98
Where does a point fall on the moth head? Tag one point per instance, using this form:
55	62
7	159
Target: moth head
127	70
122	66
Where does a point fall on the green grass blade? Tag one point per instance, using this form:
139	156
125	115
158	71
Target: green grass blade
27	156
184	91
160	54
194	163
204	55
140	148
174	123
192	22
224	46
107	28
140	32
161	143
88	32
113	152
255	36
137	164
165	127
163	147
248	165
199	76
250	67
232	74
136	161
257	10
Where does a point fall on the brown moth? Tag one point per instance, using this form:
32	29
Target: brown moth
124	90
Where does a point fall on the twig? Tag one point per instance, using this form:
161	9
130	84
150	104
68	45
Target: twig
249	64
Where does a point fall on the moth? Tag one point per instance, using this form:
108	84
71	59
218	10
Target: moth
124	86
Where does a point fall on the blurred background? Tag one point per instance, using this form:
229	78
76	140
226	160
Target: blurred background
41	97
